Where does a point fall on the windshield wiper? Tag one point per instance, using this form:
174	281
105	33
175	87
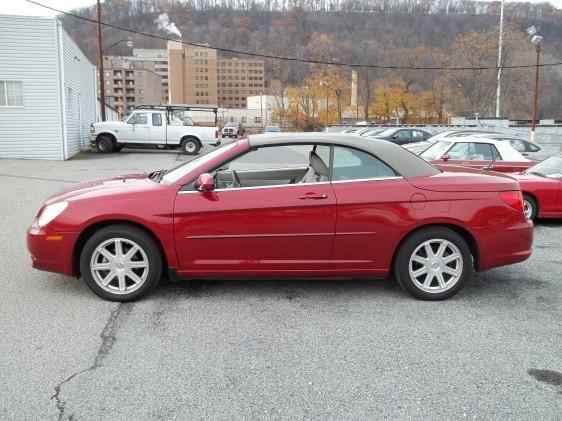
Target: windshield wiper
156	176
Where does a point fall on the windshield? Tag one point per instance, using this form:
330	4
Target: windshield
180	171
436	150
550	167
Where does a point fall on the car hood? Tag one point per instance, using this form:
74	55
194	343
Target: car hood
462	179
123	183
104	124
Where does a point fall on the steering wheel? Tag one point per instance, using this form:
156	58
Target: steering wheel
235	179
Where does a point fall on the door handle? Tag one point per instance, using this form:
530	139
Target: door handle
313	196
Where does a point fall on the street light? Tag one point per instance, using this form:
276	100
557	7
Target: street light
128	40
536	40
499	78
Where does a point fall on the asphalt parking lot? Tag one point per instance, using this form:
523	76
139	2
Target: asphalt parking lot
268	349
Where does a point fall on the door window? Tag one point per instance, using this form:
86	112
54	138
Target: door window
403	135
417	135
156	119
274	166
353	164
138	118
471	151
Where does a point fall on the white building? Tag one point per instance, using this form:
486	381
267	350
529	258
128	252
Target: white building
47	90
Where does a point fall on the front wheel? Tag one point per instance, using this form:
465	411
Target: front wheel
433	264
121	263
190	146
104	144
529	207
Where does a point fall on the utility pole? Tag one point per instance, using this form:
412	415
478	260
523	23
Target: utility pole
500	44
100	63
261	109
536	95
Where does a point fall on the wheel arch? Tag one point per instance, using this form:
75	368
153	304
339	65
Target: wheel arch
534	197
190	136
107	134
92	228
463	232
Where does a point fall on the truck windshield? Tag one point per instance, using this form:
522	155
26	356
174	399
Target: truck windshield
180	171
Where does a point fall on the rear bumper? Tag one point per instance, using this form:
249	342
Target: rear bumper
51	251
500	247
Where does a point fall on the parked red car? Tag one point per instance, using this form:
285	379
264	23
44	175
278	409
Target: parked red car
542	189
287	205
477	152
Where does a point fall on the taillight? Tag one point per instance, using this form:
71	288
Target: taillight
513	198
216	134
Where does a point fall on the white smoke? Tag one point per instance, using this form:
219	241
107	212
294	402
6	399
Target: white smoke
164	24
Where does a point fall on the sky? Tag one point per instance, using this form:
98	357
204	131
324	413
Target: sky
21	7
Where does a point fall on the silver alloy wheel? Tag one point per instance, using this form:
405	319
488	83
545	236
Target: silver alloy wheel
527	209
435	265
190	146
119	266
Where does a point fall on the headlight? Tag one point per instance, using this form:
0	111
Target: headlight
50	212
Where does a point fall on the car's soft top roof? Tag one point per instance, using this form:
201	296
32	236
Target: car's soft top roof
406	163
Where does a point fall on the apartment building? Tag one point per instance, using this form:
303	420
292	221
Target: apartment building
197	75
131	82
160	59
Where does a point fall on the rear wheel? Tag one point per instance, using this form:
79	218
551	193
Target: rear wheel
530	207
190	146
433	264
104	144
121	263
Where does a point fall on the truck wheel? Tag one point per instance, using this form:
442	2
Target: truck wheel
105	144
190	146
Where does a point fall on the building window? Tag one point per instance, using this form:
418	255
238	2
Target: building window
257	119
11	93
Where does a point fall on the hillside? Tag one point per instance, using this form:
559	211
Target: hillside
388	32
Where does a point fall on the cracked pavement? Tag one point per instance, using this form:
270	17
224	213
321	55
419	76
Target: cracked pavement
268	349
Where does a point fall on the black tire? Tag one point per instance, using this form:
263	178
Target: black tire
128	233
104	144
434	291
190	146
530	207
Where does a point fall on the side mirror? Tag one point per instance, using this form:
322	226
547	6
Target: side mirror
446	157
205	183
395	136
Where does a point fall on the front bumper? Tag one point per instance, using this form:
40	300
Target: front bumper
51	251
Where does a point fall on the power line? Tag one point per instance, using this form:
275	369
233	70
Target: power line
291	59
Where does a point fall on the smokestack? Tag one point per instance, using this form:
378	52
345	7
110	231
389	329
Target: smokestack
354	93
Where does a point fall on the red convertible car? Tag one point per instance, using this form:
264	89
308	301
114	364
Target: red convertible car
286	205
542	189
477	152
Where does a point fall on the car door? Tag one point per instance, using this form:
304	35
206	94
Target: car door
371	201
268	228
139	129
418	136
401	137
157	128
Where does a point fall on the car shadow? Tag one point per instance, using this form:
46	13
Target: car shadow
287	289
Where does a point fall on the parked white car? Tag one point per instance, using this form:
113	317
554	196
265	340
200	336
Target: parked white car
156	126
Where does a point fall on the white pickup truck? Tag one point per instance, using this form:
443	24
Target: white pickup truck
156	126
